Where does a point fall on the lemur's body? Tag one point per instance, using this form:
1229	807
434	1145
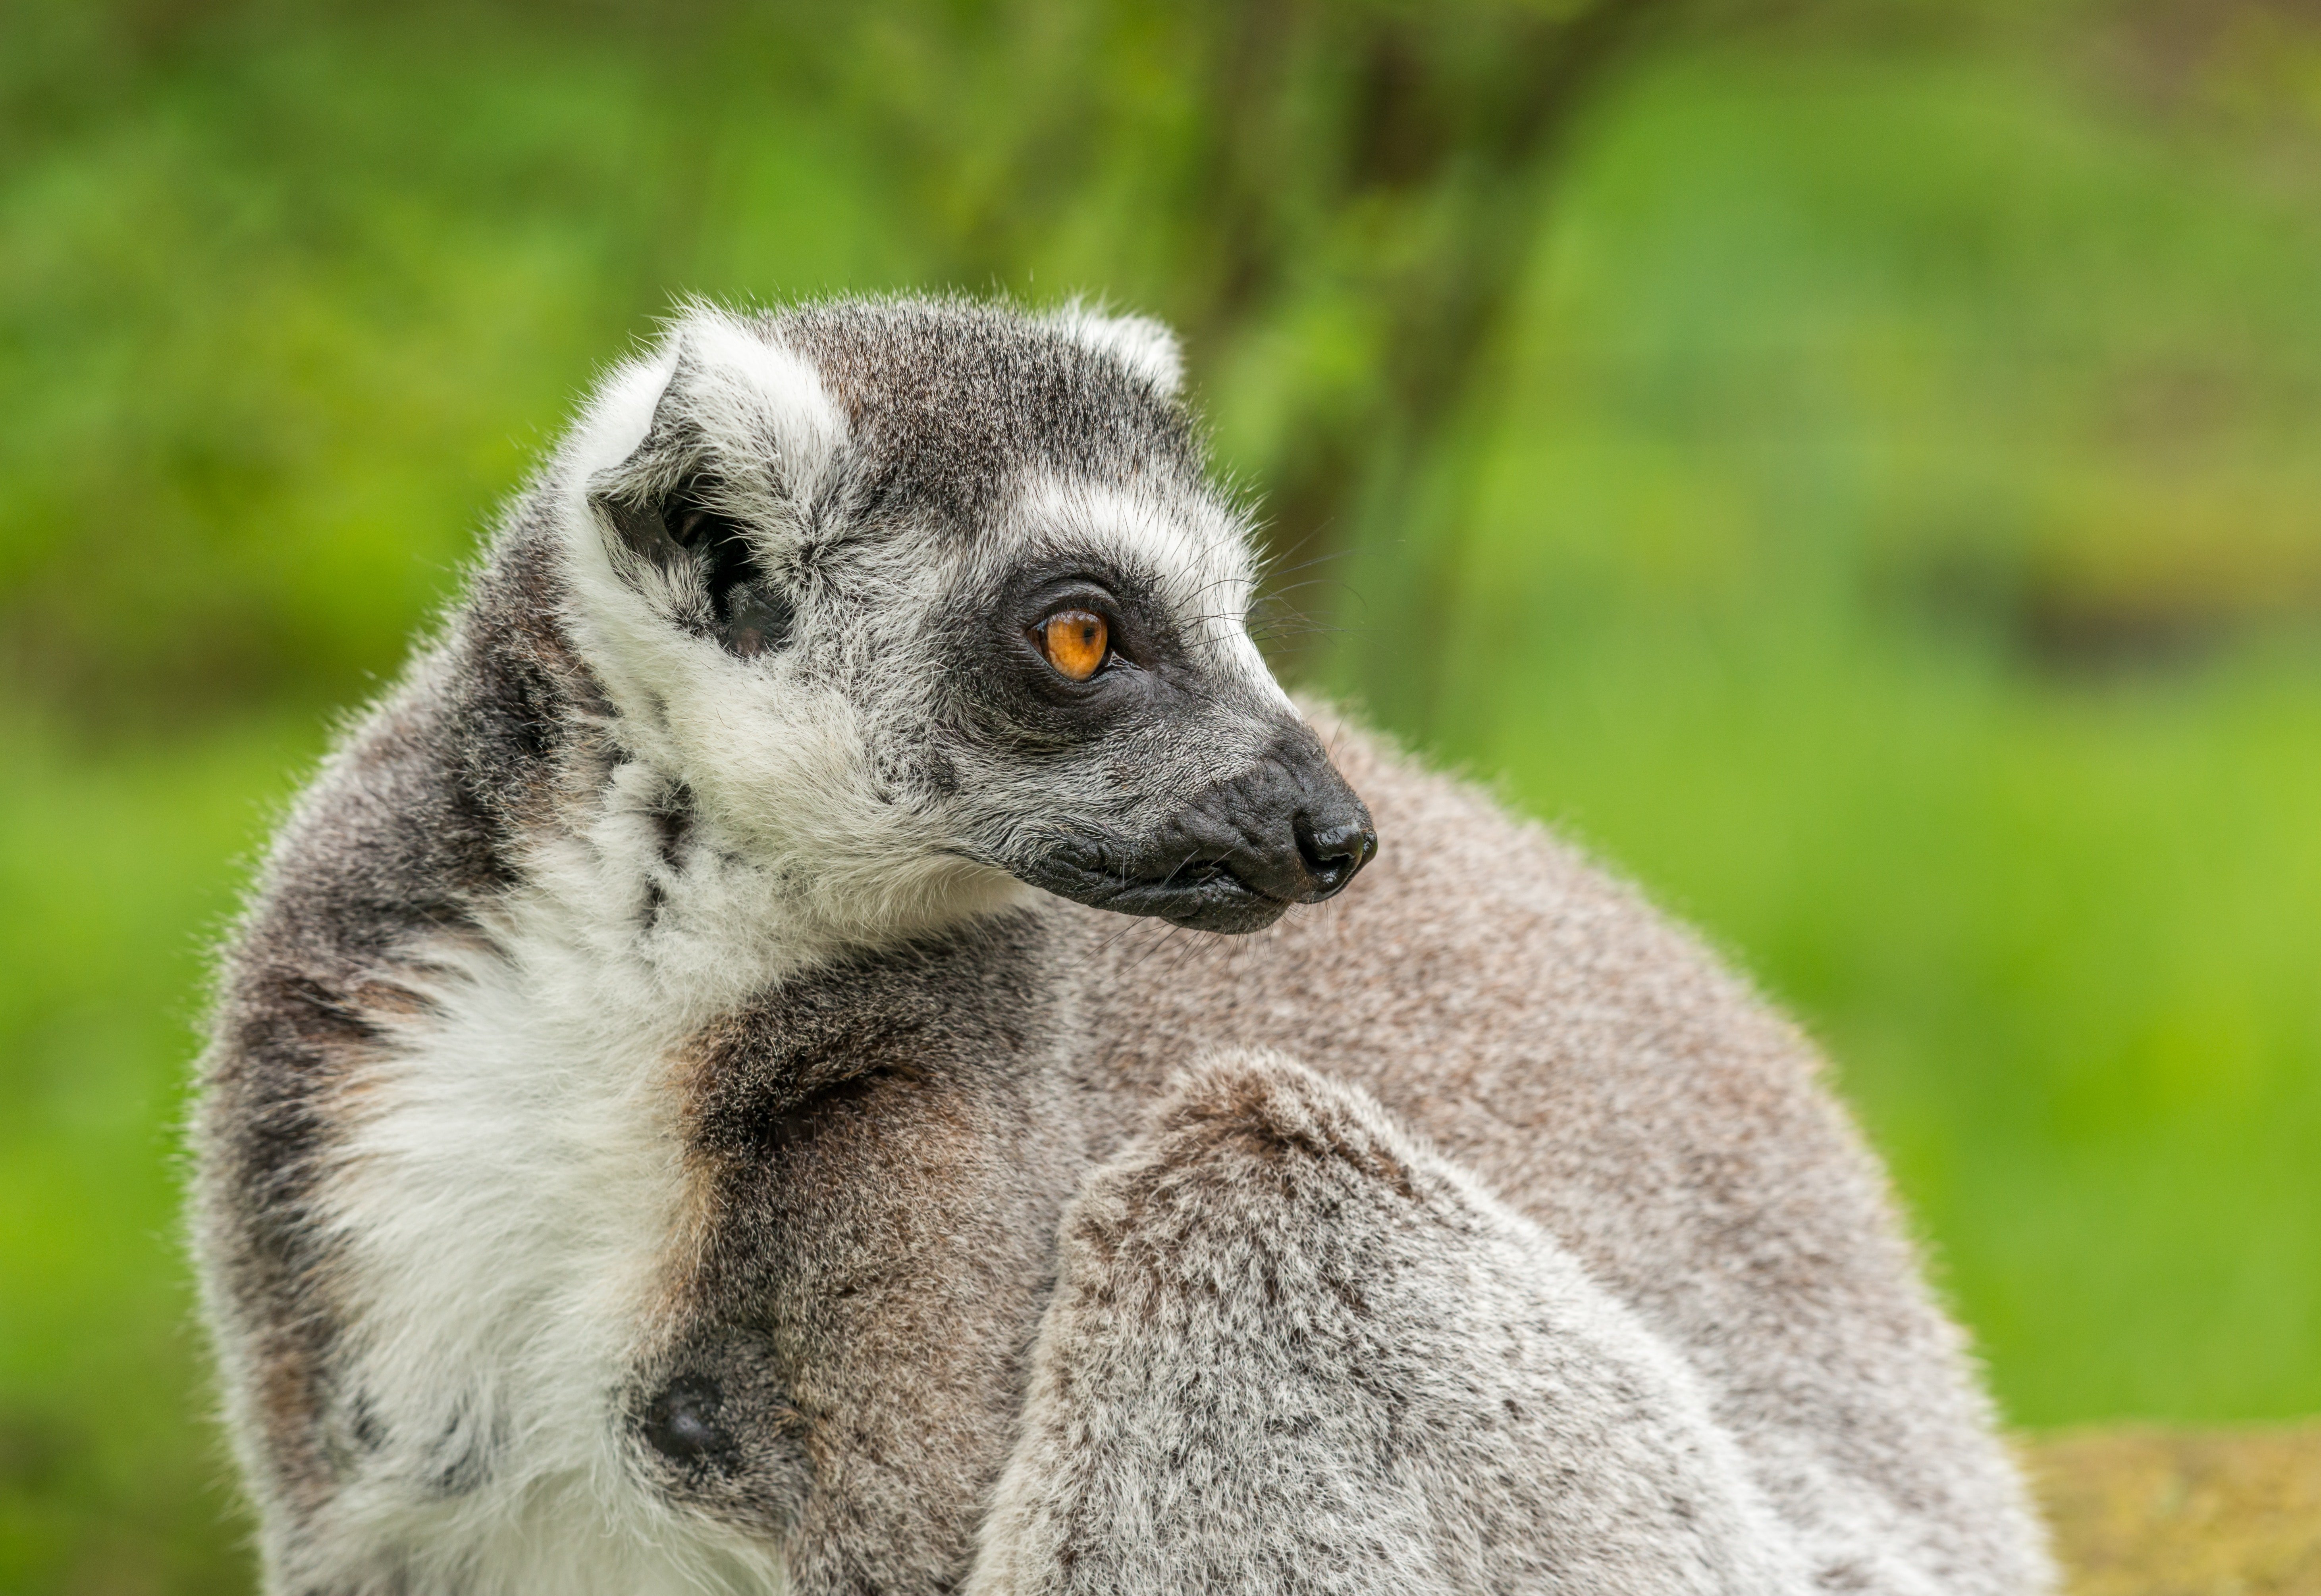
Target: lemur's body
654	1141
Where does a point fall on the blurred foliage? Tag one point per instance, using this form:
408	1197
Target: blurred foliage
1848	462
230	216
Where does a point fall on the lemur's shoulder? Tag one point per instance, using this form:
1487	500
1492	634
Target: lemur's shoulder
1482	954
409	834
416	817
1538	1018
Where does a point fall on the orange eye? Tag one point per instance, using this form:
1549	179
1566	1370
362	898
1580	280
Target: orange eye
1074	642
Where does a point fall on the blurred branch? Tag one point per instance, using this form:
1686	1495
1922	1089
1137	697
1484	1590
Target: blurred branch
1452	135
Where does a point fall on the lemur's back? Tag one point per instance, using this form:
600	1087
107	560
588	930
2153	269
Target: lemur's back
1541	1025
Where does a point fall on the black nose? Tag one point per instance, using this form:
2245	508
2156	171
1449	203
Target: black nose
1333	845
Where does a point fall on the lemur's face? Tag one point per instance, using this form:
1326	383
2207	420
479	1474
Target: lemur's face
913	596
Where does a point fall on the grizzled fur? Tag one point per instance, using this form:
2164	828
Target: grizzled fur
690	1108
1442	1399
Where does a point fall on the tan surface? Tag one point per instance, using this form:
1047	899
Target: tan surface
2150	1513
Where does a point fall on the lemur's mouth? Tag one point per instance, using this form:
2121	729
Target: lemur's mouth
1244	890
1200	894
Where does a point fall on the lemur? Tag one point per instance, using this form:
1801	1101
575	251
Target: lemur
798	1049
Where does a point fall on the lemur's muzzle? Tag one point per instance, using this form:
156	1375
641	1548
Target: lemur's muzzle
1298	833
1234	857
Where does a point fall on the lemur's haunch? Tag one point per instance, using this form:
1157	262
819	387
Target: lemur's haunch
695	1107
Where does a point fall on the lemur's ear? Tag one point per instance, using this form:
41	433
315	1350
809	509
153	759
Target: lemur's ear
734	464
715	580
1143	345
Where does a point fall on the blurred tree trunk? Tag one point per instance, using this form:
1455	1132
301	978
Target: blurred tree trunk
1443	154
1333	201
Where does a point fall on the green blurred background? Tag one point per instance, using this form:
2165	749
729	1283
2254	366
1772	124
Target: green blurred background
1849	464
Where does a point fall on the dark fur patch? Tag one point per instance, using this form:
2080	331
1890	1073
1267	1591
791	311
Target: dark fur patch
715	1429
685	530
881	1149
682	1422
673	818
267	1131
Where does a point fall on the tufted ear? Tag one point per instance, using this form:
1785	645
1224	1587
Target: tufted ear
1146	347
737	458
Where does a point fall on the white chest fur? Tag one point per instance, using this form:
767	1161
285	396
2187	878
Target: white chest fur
510	1210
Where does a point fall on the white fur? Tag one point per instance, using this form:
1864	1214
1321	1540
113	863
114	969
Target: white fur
512	1205
784	758
1143	345
754	401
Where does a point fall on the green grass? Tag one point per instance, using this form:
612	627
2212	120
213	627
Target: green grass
1888	532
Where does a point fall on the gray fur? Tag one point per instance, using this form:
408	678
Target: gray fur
1292	1350
654	1139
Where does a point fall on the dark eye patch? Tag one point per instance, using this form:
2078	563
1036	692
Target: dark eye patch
1006	687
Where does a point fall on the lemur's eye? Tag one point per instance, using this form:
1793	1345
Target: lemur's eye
1075	642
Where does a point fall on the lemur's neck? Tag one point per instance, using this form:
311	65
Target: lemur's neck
611	852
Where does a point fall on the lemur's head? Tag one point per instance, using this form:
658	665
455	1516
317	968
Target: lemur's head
922	599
